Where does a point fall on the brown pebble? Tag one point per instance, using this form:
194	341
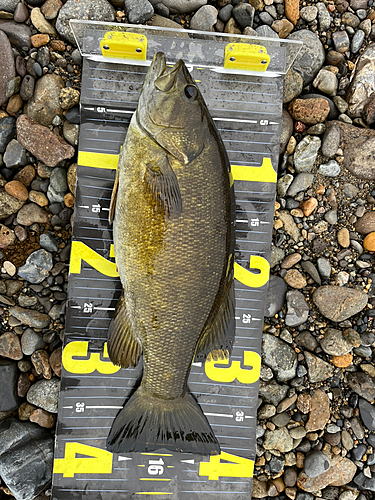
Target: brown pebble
283	27
71	177
295	279
369	242
7	236
290	260
17	190
309	111
38	198
334	57
69	200
23	385
20	232
300	457
25	410
55	361
41	364
50	8
292	10
319	412
26	175
343	237
342	361
58	45
366	224
10	346
42	418
232	27
39	40
15	103
309	206
304	402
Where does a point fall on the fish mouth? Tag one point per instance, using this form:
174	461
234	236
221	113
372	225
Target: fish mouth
165	78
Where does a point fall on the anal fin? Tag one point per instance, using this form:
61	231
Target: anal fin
217	339
123	348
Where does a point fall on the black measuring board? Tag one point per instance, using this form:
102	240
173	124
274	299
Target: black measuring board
248	113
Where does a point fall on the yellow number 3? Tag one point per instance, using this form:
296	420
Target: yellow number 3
233	370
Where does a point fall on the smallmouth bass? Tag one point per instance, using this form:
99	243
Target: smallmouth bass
172	208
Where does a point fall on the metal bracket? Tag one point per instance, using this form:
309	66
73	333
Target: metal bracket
245	56
124	45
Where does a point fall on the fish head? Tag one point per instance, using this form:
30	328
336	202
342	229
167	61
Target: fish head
172	111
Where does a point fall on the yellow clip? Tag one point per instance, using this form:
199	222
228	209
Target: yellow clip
124	45
246	56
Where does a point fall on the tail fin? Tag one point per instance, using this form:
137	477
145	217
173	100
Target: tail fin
148	423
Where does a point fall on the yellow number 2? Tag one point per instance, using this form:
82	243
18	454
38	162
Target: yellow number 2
92	361
215	468
81	252
97	461
231	370
248	278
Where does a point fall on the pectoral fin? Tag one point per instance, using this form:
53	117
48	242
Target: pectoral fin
112	206
123	348
162	184
218	336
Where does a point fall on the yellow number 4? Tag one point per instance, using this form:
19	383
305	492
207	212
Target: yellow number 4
232	467
97	461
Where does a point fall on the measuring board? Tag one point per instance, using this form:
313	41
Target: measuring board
247	109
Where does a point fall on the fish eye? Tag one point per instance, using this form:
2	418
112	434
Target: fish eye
191	92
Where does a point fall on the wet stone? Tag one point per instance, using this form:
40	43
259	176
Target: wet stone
297	308
318	370
311	57
10	346
316	463
363	385
7	66
37	266
280	357
8	385
326	82
31	213
31	341
305	153
29	317
7	131
45	394
243	13
339	303
301	182
330	169
275	296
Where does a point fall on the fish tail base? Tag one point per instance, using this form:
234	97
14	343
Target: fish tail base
148	423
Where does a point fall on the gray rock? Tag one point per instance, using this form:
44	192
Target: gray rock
367	412
277	255
30	213
97	10
279	439
139	11
37	266
339	303
225	13
323	16
9	399
364	482
272	392
309	267
266	18
8	5
316	463
309	13
243	14
350	191
18	34
45	104
7	131
363	84
318	369
311	57
29	317
307	341
31	342
45	394
15	155
334	343
71	132
48	242
297	308
341	41
305	153
330	169
301	182
266	31
275	296
7	66
279	356
204	19
363	385
181	6
326	82
31	448
293	85
283	184
357	41
331	217
58	185
27	88
286	130
363	351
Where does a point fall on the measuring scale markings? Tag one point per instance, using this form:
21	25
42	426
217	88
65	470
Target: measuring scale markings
93	389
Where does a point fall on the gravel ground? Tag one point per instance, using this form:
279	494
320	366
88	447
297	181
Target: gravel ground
316	418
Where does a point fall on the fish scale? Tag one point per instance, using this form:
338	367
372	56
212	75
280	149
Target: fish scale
93	391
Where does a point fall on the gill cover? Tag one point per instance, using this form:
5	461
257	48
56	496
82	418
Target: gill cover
171	110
